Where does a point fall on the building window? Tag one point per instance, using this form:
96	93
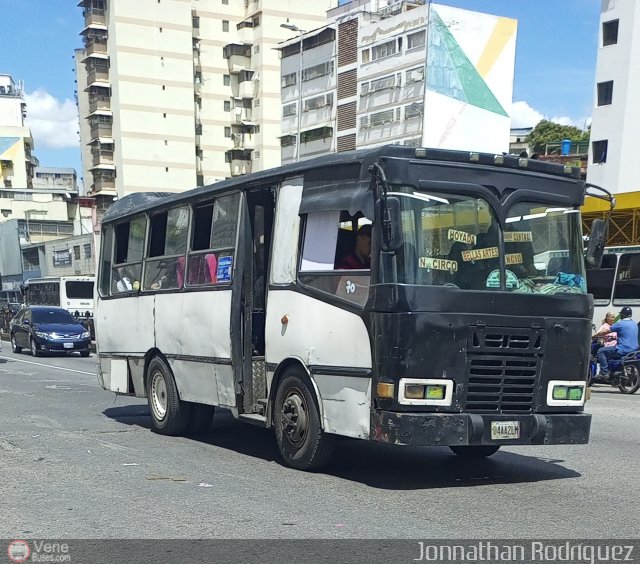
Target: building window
289	110
256	49
227	132
366	56
385	50
317	71
226	2
256	103
316	134
415	40
414	110
256	155
226	80
610	32
600	151
256	21
287	140
227	106
415	75
87	250
195	21
225	25
289	79
605	93
76	252
160	29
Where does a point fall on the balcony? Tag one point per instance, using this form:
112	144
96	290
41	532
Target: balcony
240	161
96	47
238	56
101	157
100	74
246	89
94	16
243	140
101	130
103	183
242	114
99	103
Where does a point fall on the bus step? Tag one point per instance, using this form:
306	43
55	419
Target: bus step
254	419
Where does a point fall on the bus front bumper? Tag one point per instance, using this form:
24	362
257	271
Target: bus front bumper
453	429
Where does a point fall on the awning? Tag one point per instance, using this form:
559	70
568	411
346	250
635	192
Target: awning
307	35
101	140
101	113
98	84
95	56
96	26
103	167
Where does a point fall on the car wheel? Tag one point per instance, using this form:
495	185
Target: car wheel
475	452
34	349
14	347
85	354
169	415
302	442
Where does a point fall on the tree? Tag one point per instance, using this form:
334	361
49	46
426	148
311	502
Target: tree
549	132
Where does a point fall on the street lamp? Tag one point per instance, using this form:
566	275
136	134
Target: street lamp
300	32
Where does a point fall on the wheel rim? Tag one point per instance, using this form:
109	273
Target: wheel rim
294	419
34	349
13	343
629	378
158	395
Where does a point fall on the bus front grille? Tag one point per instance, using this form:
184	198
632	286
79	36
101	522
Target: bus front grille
501	383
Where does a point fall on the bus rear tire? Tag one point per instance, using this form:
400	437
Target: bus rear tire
200	418
301	440
169	415
475	452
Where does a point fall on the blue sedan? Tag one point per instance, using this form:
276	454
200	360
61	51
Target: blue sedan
44	329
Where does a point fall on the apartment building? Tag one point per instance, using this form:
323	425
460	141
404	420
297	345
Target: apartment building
54	177
180	93
405	72
16	144
615	114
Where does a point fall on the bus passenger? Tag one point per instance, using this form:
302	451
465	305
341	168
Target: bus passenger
360	257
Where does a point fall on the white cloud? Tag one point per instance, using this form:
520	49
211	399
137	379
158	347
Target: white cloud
53	123
523	115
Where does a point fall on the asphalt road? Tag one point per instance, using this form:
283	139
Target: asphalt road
75	462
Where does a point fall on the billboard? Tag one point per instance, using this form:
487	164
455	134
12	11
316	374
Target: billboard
469	88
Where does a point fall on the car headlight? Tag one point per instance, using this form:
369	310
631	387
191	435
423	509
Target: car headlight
42	335
85	335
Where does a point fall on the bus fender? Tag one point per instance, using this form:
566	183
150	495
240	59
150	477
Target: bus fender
281	368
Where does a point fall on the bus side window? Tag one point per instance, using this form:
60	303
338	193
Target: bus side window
333	260
628	280
213	242
126	272
167	247
105	260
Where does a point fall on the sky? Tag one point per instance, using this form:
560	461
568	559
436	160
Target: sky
554	75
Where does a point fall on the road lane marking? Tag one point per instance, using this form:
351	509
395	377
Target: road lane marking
9	358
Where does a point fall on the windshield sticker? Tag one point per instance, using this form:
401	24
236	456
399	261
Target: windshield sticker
493	280
438	264
480	254
225	265
518	237
461	237
513	258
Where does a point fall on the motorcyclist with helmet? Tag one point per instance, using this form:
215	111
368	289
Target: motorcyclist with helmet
627	331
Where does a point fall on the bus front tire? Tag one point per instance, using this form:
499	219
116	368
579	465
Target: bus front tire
200	418
302	443
169	415
475	452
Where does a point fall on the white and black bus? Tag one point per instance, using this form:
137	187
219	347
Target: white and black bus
254	294
73	293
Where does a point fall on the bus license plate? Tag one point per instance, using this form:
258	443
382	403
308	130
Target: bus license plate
505	430
67	345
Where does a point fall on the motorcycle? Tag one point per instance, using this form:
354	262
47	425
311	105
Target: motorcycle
624	373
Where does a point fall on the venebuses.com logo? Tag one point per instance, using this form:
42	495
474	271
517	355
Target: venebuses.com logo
18	551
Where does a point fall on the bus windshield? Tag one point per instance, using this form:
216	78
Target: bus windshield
451	240
79	290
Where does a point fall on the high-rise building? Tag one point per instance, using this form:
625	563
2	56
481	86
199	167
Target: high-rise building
182	93
615	117
407	72
16	144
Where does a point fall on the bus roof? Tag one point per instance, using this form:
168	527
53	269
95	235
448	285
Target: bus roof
345	164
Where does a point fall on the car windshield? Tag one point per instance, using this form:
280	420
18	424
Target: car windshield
53	316
451	240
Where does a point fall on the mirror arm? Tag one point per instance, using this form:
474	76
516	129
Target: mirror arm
382	185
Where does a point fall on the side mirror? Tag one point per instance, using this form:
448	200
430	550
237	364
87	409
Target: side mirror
26	321
391	239
597	240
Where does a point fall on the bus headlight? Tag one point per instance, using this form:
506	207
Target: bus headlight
414	391
566	393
